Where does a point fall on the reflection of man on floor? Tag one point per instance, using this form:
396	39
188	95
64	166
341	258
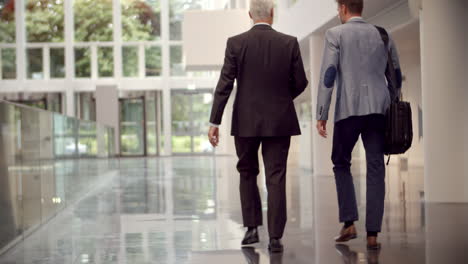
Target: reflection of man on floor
252	257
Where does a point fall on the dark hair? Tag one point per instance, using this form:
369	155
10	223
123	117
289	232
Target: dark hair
354	6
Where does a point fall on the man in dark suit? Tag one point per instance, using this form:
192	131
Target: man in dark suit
270	74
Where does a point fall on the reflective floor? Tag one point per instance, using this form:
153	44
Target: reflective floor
187	210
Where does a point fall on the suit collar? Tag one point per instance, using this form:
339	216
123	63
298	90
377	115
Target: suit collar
262	27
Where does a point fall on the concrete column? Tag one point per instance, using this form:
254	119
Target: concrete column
117	21
69	102
69	59
166	93
321	148
107	110
444	93
20	40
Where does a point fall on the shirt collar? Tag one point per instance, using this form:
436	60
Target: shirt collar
356	18
266	24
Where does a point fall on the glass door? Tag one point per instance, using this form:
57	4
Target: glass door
133	127
190	114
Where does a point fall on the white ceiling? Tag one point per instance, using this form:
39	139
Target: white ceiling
372	8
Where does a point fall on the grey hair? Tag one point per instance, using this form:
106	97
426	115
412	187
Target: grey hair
261	9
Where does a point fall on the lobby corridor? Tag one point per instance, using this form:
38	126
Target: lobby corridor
187	210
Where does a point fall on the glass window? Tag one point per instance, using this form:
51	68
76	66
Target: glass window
153	122
203	74
153	61
8	63
82	62
7	21
87	140
292	2
65	141
201	108
181	130
177	66
189	124
34	62
130	61
57	62
44	21
176	15
106	61
93	20
141	20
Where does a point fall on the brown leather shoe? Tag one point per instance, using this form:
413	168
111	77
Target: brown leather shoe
347	234
372	243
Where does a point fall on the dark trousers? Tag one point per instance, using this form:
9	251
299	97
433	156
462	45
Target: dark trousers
275	155
346	133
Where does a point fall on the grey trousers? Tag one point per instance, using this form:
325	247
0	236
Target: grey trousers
371	128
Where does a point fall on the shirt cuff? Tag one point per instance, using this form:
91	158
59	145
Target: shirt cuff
214	125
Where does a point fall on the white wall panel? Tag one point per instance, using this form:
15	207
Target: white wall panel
205	34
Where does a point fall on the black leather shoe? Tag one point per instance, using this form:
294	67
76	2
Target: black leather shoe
275	245
251	237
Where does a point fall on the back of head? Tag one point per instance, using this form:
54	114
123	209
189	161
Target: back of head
353	6
261	9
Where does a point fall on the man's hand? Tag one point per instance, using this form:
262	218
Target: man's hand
322	128
213	136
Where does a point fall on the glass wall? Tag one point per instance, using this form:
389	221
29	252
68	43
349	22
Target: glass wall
34	184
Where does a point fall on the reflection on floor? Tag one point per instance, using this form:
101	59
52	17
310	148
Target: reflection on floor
187	210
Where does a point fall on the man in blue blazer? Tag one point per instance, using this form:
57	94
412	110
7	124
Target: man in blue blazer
355	57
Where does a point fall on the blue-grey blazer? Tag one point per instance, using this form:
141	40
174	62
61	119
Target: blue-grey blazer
356	58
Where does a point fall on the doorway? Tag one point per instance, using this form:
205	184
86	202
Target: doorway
140	125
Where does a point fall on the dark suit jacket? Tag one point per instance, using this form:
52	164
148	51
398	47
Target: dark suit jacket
270	74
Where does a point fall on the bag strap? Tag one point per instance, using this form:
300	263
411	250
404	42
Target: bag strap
390	72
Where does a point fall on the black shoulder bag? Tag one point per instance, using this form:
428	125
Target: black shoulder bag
399	125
